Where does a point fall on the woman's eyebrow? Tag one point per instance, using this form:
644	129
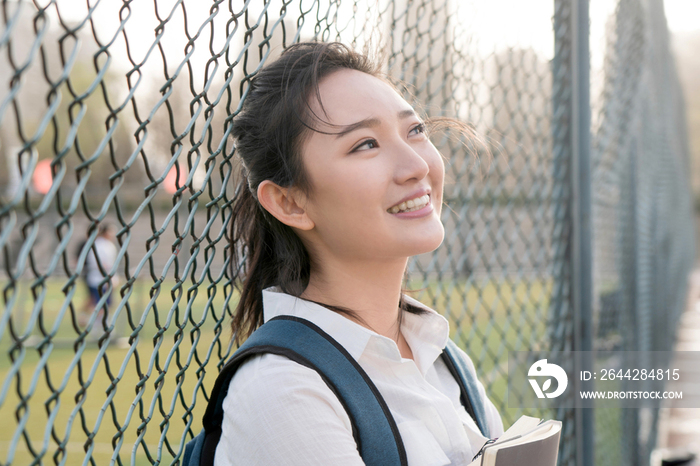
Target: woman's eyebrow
371	123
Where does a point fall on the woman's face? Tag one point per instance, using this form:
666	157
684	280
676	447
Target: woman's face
360	176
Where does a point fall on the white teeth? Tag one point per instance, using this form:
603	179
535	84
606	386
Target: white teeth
411	205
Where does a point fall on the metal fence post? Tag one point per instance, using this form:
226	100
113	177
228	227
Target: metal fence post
571	152
581	198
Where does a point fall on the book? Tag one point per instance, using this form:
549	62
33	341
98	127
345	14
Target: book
529	442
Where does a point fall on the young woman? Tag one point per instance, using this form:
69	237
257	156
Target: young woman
343	187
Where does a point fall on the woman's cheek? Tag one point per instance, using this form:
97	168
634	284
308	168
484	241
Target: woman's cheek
437	170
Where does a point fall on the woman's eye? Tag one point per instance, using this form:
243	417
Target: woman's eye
365	145
420	128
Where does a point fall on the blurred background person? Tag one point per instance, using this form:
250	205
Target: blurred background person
94	273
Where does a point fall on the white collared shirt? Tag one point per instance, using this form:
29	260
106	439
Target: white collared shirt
278	412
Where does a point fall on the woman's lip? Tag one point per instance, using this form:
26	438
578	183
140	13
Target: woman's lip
422	212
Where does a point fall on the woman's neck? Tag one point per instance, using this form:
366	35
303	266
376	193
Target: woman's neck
373	292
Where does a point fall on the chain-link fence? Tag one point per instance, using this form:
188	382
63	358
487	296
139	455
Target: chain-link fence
119	112
642	213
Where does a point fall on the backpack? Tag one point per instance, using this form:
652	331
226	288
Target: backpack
373	426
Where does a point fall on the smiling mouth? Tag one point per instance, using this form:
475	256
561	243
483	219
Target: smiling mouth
410	205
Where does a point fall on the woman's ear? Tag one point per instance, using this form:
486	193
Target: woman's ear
285	204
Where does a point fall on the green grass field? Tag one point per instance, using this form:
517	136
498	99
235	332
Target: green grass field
133	400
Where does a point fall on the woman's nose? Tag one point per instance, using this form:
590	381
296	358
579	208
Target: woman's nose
410	163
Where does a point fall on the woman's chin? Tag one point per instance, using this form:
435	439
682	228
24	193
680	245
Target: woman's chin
426	243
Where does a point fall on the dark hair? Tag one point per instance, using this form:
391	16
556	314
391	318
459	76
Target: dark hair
269	131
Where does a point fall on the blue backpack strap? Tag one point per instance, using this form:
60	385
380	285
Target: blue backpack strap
374	429
193	450
470	398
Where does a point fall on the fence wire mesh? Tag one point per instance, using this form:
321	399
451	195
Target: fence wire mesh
119	112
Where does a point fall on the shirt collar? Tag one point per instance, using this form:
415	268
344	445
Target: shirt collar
426	334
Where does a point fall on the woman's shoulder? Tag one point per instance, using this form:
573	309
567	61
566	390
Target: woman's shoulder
269	382
278	411
272	372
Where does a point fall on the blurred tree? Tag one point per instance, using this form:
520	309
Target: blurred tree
61	118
